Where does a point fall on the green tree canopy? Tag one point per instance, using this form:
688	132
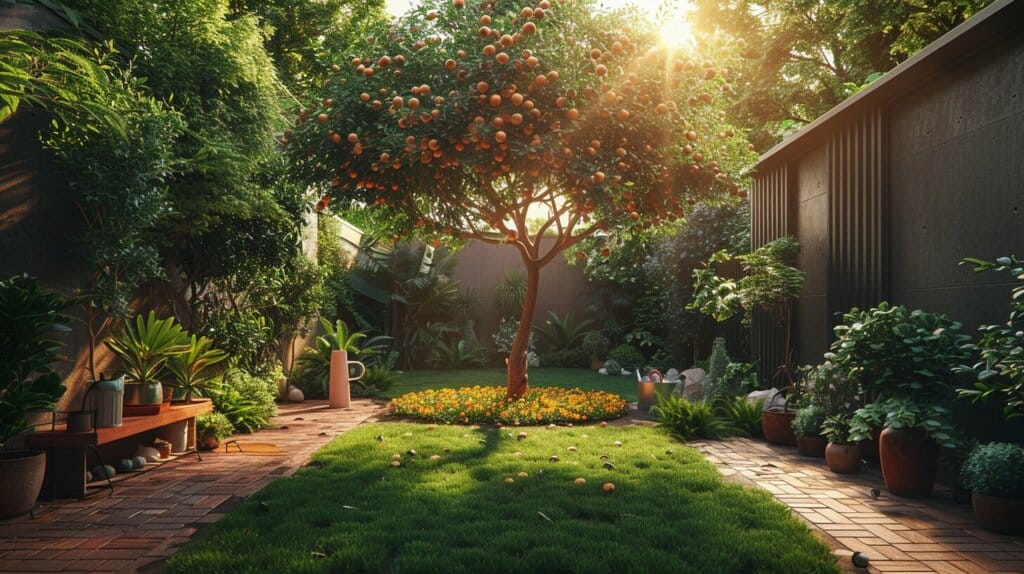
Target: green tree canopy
466	120
804	57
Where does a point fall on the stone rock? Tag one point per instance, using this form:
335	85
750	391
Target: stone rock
138	462
602	371
101	472
625	372
149	453
672	375
693	385
767	395
295	395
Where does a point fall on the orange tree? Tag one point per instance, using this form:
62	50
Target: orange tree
504	122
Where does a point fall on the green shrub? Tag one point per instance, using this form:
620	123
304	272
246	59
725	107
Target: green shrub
247	399
246	335
744	416
836	429
827	386
999	371
716	367
561	334
216	424
688	420
895	352
374	381
573	358
465	354
996	469
595	345
506	334
900	413
628	356
612	367
808	421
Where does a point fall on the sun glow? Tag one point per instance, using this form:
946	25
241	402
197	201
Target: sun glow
675	32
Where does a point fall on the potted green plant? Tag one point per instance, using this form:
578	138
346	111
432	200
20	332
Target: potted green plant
904	361
144	347
908	445
807	426
211	428
771	283
595	345
193	370
29	320
842	455
995	472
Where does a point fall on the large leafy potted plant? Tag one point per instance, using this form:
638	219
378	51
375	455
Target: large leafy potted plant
193	370
904	361
144	346
995	472
908	446
770	283
29	320
842	455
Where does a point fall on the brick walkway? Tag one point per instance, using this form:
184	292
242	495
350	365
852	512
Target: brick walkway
148	517
897	534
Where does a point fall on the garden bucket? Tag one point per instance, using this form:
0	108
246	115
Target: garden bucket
649	388
108	401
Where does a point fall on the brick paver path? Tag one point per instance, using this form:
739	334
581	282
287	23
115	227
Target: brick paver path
897	534
148	517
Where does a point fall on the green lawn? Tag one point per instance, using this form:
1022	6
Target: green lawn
352	512
539	377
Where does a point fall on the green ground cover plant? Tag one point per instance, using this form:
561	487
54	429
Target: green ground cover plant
352	511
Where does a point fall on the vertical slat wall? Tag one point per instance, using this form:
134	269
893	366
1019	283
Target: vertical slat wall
771	213
858	250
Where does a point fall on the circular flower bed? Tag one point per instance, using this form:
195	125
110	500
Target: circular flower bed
490	405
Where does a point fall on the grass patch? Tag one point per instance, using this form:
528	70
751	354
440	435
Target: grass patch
352	512
584	379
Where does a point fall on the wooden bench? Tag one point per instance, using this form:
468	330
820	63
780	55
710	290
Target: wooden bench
66	452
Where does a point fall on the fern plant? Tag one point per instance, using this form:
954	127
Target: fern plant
689	420
563	334
744	416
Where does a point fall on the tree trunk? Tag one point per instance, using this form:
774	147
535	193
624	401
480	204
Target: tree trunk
516	361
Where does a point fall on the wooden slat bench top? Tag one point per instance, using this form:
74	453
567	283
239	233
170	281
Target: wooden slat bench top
130	426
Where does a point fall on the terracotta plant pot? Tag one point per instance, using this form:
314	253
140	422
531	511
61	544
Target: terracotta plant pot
811	446
209	442
1002	515
21	479
909	460
778	426
843	458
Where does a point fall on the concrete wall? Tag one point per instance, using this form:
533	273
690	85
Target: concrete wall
482	266
957	185
811	322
